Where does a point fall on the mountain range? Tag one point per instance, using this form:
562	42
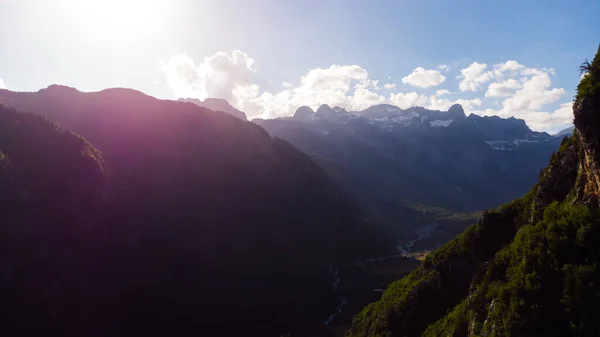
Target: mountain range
127	215
394	159
217	104
565	131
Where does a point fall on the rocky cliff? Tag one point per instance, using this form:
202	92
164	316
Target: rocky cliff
529	268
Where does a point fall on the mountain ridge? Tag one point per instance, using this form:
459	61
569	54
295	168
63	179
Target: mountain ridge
528	268
216	104
201	216
387	155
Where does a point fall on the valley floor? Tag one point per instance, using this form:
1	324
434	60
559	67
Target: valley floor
362	283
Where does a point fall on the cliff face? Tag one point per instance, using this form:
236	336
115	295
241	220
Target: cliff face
529	268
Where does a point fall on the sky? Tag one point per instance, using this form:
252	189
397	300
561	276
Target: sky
268	57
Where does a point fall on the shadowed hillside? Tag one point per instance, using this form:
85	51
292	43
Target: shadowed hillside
206	224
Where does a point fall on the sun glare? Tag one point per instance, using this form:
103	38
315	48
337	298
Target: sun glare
116	20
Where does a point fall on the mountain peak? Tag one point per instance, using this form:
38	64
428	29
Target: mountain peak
457	111
59	89
303	112
217	104
323	108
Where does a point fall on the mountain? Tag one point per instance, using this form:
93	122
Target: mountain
166	219
52	186
528	268
565	132
397	159
217	104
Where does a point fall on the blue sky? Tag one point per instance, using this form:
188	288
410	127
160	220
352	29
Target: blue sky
328	51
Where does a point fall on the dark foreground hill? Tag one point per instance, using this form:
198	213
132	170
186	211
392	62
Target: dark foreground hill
528	268
168	219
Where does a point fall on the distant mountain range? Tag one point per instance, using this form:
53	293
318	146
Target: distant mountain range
394	159
565	132
216	104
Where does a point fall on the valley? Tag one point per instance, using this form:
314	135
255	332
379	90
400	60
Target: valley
279	168
347	211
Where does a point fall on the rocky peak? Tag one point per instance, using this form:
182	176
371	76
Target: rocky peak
303	113
324	109
58	90
339	110
217	104
456	111
326	112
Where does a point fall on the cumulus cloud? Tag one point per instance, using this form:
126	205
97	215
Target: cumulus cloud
507	67
216	76
541	120
444	67
503	89
473	76
550	121
2	86
404	101
442	92
534	94
525	97
443	104
515	90
424	78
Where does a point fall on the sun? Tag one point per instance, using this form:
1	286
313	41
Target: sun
116	20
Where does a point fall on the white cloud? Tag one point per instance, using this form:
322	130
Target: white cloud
510	67
421	77
527	96
443	67
516	90
363	98
442	92
445	104
550	121
503	89
473	76
534	94
2	86
217	75
404	101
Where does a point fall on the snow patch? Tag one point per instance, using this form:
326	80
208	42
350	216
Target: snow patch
495	142
441	123
382	119
526	140
503	148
